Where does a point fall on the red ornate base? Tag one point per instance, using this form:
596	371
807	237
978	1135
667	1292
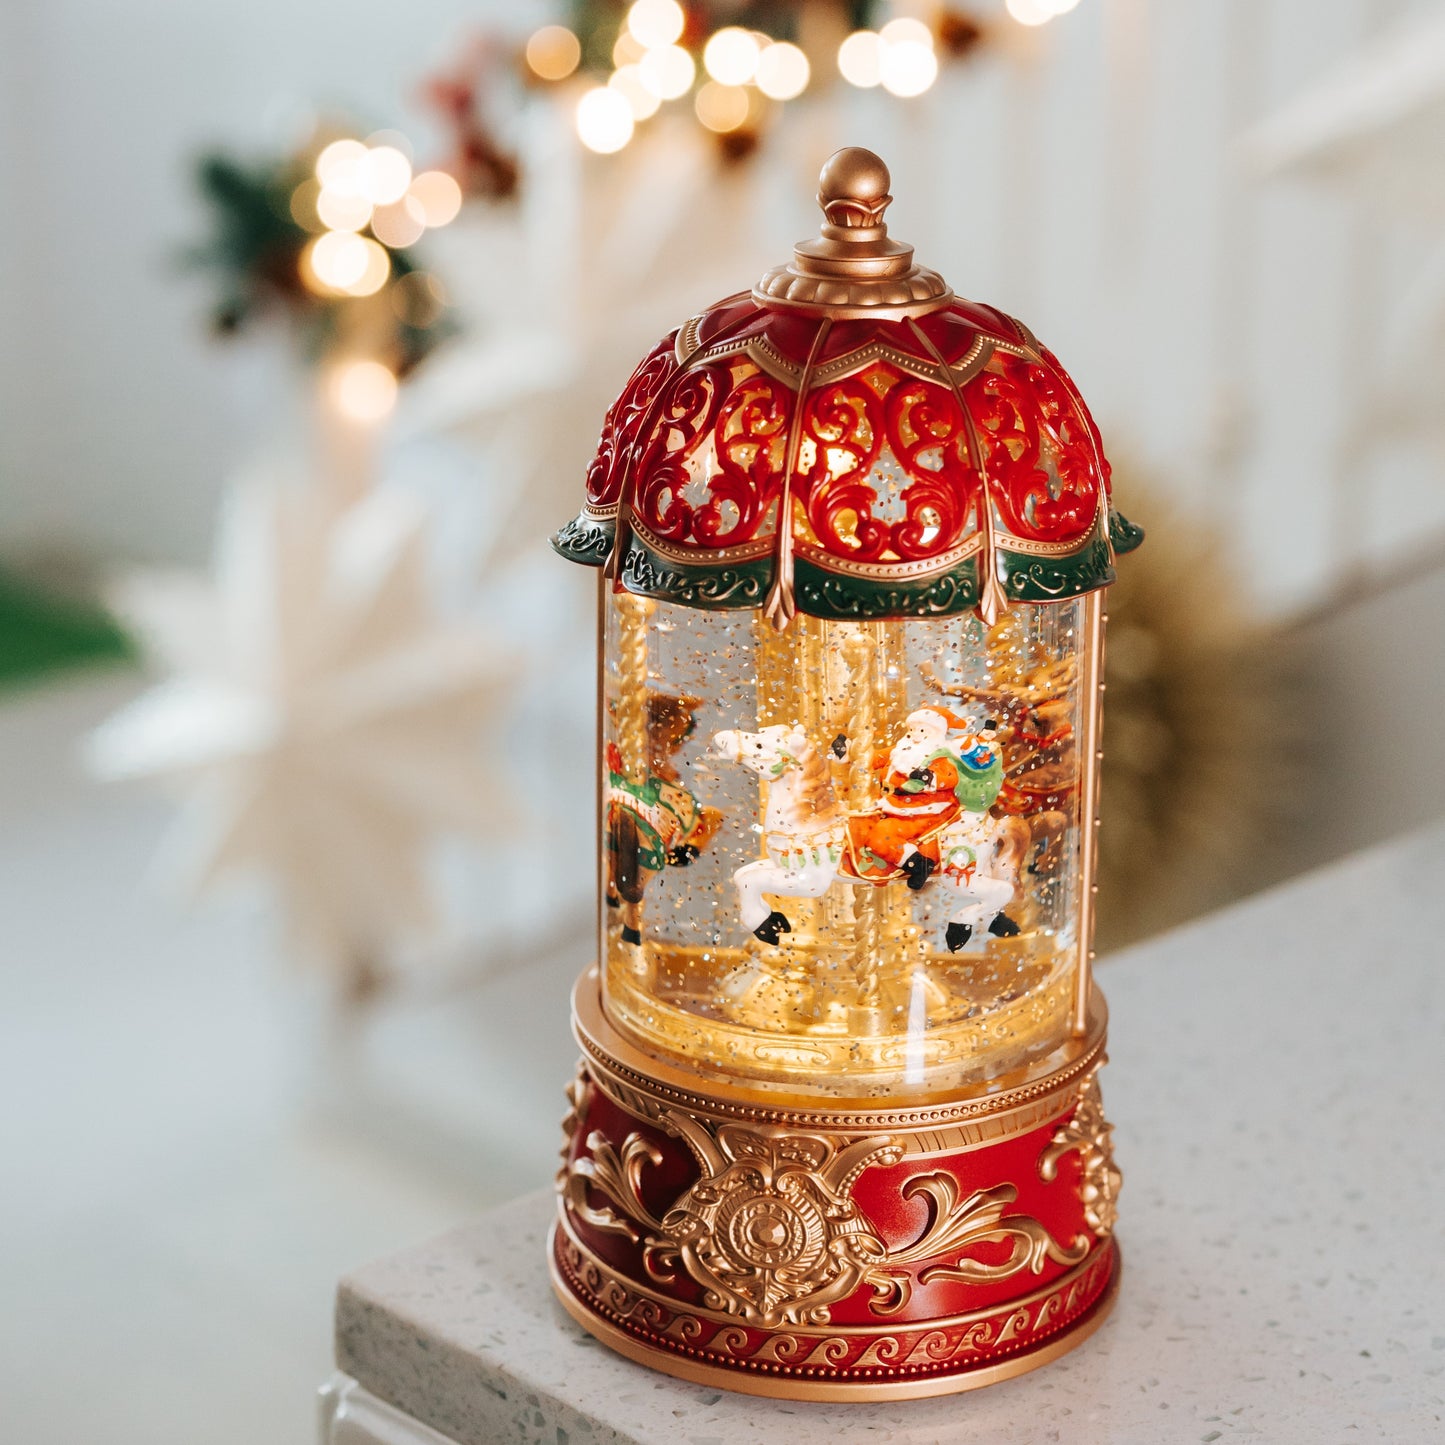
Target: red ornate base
773	1245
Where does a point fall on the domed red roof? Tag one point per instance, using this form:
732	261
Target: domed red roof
850	460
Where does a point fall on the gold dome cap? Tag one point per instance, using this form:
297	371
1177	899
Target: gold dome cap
853	267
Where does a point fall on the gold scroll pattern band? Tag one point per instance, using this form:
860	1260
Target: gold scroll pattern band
978	1347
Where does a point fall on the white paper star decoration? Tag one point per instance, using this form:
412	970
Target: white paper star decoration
321	720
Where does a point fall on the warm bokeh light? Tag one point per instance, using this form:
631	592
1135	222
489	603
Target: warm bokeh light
418	299
782	71
667	72
364	391
656	22
339	165
721	108
627	81
393	138
628	49
437	195
1062	7
858	59
385	175
906	30
303	206
335	261
731	56
375	273
1030	12
907	69
399	224
342	210
604	120
553	52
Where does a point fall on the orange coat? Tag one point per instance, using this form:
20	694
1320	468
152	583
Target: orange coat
910	812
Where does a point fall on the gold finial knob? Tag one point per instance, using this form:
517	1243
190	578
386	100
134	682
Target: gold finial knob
853	188
852	267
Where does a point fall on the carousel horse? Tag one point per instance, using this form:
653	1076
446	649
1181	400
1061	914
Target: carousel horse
806	835
657	823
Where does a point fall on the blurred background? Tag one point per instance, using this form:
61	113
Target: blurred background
308	319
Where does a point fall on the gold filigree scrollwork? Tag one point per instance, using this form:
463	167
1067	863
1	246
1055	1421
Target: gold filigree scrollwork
579	1095
1091	1134
955	1338
617	1175
957	1224
770	1232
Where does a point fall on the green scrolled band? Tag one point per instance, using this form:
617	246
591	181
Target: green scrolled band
821	591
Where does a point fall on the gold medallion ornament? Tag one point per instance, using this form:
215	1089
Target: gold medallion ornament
837	1131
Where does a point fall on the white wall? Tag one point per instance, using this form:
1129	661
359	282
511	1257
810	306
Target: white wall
1088	183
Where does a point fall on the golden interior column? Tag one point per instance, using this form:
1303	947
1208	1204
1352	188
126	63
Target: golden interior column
633	741
859	651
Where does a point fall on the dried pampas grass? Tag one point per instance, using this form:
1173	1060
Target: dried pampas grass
1202	730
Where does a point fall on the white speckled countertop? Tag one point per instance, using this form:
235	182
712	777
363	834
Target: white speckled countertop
1277	1084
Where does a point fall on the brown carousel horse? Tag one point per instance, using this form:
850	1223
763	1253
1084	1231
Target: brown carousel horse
1040	755
656	823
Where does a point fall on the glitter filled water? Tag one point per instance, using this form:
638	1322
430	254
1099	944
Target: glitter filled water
748	772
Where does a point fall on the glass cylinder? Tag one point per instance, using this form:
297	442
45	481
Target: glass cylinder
844	858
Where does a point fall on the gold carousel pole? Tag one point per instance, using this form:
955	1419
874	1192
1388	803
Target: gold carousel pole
632	740
600	765
632	736
859	650
1092	698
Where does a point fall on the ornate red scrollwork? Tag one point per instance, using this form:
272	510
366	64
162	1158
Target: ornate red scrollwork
624	417
750	441
1090	425
928	435
687	408
1038	451
887	469
844	424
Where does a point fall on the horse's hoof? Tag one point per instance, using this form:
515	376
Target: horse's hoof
772	927
957	935
917	869
613	901
631	935
1003	927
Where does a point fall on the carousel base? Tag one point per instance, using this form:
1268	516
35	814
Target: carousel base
834	1249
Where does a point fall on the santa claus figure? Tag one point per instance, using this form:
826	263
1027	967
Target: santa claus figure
925	781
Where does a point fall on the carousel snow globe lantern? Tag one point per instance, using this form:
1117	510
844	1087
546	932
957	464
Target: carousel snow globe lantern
837	1132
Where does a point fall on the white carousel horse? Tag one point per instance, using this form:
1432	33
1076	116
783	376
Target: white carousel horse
979	858
805	833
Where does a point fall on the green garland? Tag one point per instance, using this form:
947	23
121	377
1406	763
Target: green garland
254	253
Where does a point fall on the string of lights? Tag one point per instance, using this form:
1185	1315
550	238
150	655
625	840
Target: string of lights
656	52
324	234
